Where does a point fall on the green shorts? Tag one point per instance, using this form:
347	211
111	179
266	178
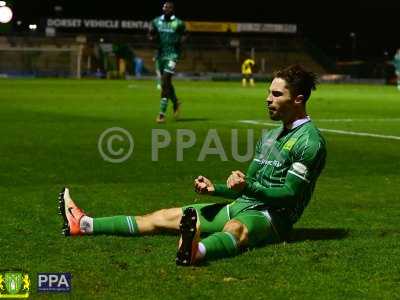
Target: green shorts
166	65
259	223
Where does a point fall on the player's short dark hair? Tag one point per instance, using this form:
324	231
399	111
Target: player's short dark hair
299	81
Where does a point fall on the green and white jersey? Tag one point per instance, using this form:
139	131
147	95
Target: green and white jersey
284	171
169	34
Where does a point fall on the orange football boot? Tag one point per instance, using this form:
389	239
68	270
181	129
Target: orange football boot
71	214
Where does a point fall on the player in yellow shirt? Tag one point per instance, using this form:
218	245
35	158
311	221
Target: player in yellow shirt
247	72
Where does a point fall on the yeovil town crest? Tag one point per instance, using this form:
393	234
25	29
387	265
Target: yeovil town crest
14	284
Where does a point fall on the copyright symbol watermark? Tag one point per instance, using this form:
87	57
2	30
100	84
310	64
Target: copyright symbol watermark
115	145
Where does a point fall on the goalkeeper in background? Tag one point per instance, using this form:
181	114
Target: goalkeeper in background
170	33
260	207
247	72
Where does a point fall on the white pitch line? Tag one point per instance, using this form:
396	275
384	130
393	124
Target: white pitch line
358	120
381	136
344	132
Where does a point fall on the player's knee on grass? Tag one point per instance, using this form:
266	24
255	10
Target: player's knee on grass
239	230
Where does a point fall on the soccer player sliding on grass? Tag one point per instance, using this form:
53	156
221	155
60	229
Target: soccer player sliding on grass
265	202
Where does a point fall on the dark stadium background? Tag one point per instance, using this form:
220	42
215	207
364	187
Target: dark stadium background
328	23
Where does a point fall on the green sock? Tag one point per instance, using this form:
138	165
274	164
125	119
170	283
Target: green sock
163	105
219	245
117	225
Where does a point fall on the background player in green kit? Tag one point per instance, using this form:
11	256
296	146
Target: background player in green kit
260	206
396	63
170	33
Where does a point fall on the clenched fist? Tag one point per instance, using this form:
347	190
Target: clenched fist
203	185
236	181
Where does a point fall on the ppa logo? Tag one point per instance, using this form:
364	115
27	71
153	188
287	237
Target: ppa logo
54	282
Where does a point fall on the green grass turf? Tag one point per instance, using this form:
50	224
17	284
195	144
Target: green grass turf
345	246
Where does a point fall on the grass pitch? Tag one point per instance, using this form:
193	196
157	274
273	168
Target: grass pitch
345	246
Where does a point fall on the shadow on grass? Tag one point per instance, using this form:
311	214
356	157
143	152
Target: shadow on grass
317	234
